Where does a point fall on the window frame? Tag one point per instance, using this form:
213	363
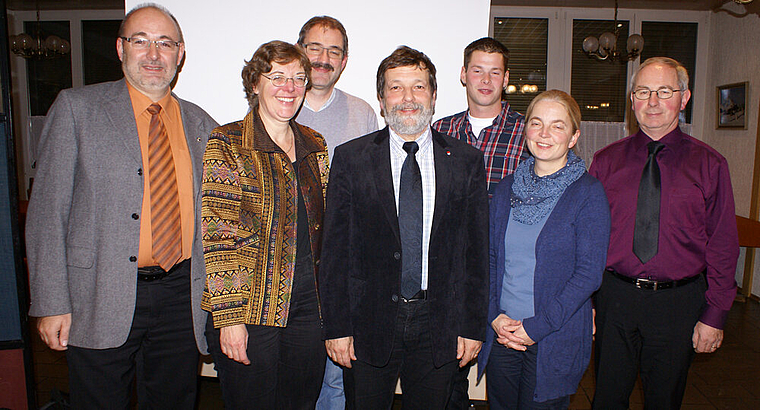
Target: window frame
559	47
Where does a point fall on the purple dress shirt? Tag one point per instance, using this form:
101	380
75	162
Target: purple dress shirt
697	217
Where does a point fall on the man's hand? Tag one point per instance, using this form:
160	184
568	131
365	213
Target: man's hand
234	342
341	350
54	330
706	339
467	350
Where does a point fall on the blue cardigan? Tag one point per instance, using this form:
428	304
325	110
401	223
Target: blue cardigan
571	252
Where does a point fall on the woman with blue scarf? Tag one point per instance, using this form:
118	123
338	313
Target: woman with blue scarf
550	225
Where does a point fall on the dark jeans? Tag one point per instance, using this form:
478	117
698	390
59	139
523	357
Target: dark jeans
511	380
287	363
646	330
424	386
160	350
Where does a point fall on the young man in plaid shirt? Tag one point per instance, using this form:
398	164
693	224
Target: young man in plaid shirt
491	126
488	124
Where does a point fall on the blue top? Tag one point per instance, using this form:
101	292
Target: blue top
570	255
519	265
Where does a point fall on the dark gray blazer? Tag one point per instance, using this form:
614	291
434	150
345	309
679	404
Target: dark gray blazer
81	237
360	269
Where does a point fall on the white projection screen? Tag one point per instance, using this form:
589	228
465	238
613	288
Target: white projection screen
220	34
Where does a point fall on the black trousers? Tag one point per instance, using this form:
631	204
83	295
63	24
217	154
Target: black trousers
648	331
511	380
424	386
160	352
460	397
287	363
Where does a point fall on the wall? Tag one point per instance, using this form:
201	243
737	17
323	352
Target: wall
733	58
220	38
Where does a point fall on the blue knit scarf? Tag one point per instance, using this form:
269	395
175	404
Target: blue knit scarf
533	196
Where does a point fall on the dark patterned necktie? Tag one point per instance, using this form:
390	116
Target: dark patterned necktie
164	198
646	230
410	222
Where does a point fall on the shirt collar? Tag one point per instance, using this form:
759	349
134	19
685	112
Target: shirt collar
324	106
499	117
670	140
141	102
422	141
256	137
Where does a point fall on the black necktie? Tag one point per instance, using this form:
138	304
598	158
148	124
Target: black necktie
647	226
410	222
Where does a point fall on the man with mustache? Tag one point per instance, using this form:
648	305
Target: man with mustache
335	114
404	268
339	117
112	226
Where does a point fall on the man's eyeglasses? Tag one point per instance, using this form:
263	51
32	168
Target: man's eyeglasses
141	43
645	93
315	49
279	80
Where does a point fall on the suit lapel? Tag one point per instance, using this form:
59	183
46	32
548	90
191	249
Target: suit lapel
192	125
379	154
442	157
118	108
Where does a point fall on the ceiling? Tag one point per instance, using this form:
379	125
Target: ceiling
626	4
623	4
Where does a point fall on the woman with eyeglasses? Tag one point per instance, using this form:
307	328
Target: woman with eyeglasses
550	225
264	180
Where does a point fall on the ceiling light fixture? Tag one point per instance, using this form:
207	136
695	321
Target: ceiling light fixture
605	48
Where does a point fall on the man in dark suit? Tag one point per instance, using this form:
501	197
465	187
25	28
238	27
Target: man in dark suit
404	272
112	225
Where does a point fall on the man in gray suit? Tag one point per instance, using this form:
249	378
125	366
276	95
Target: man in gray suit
112	224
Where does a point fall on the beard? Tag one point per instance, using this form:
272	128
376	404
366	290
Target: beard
409	124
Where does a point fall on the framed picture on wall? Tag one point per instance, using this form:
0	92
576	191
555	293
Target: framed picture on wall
732	104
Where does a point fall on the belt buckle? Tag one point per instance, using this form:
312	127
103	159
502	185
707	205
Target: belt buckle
640	282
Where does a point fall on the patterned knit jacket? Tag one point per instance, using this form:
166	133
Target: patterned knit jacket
248	215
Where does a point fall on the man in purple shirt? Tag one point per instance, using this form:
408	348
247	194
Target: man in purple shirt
655	309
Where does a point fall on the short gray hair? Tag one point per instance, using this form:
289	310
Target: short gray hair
681	73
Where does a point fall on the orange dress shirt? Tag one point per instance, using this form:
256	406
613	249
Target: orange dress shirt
172	118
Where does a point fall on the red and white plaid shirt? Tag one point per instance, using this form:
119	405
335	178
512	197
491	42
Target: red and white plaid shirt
502	142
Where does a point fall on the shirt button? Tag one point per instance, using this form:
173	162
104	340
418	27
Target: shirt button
396	255
135	216
394	298
316	262
133	258
139	171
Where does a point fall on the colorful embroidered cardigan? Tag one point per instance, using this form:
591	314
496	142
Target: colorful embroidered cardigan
248	216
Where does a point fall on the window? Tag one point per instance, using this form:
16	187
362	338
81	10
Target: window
526	39
47	77
599	86
100	61
677	41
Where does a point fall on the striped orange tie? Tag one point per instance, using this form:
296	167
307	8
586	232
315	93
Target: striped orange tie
164	198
